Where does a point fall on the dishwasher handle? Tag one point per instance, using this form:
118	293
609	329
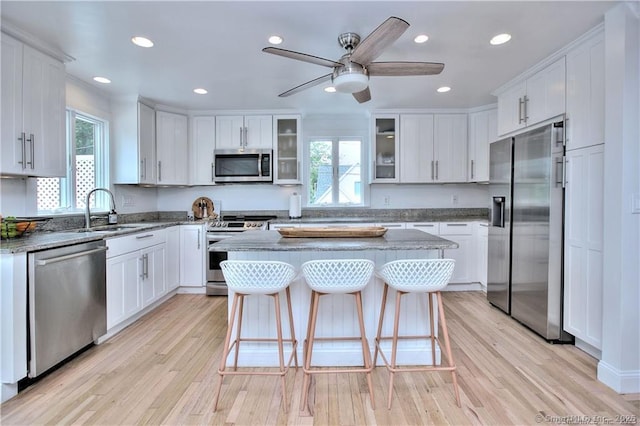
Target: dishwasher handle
51	260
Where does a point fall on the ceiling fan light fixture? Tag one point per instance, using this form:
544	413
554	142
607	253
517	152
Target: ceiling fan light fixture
275	39
421	38
350	82
330	89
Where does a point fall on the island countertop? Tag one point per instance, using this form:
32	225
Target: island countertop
393	239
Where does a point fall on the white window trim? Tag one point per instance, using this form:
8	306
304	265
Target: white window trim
364	172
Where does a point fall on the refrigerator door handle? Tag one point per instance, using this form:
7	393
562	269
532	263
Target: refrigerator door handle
560	171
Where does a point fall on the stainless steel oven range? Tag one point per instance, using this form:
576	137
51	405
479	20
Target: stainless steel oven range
227	227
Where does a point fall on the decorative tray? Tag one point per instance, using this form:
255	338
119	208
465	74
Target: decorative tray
333	232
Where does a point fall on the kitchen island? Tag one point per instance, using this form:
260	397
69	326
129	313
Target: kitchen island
259	317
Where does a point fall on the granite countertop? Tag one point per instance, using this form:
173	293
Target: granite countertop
394	239
47	240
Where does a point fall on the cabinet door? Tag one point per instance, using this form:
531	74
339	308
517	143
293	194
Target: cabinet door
259	132
464	271
171	148
229	132
123	292
147	143
482	131
583	244
585	94
192	256
384	149
511	109
43	102
203	140
287	140
450	147
482	250
13	159
172	259
416	148
546	93
157	264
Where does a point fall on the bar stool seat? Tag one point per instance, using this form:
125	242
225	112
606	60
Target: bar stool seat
246	278
335	276
428	276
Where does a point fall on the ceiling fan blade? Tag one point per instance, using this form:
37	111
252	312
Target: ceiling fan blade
306	85
302	57
362	96
382	37
404	68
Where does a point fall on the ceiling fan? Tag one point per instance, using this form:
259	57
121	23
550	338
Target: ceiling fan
352	71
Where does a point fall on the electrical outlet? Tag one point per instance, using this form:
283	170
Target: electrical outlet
387	200
454	199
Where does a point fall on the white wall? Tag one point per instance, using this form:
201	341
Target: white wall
13	197
620	364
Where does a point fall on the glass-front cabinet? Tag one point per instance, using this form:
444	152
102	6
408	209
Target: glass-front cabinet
385	148
287	147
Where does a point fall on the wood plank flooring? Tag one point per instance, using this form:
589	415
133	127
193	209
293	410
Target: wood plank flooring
163	370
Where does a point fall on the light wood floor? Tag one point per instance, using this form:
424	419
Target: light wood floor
163	370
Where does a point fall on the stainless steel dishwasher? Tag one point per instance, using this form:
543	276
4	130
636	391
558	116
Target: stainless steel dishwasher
67	302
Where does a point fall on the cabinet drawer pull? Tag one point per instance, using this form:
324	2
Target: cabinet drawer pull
23	140
140	237
456	224
159	171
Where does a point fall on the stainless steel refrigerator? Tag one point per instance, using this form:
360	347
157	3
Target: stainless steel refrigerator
526	229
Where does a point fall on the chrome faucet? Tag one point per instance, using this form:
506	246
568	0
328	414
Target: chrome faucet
87	211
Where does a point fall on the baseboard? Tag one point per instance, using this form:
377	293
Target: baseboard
9	390
464	287
192	290
591	350
621	381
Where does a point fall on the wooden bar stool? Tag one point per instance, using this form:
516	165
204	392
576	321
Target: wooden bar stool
339	276
416	276
255	278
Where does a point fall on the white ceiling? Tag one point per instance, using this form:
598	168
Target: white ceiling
217	45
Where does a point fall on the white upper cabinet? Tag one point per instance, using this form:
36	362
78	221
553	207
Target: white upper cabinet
171	148
244	132
203	140
287	147
416	148
134	140
483	129
539	97
384	148
585	93
450	147
33	112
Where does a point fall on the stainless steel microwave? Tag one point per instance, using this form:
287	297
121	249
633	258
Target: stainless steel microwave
248	165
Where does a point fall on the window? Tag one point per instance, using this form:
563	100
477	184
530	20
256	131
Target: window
335	172
87	148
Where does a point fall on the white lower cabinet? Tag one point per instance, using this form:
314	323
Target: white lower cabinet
135	274
461	233
192	256
482	253
172	259
583	244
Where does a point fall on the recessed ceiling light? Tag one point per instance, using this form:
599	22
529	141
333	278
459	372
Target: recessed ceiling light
500	39
103	80
330	89
142	41
421	38
444	89
274	39
200	91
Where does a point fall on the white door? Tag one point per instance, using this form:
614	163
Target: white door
192	256
171	148
229	132
450	148
259	131
11	160
416	148
203	140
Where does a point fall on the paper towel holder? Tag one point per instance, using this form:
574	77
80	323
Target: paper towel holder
295	210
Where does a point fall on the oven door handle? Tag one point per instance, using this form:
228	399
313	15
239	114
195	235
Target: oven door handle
219	237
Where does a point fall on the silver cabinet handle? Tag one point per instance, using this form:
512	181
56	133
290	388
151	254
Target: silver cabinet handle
146	265
436	169
418	225
471	169
246	137
142	267
241	137
456	224
141	169
526	109
51	260
212	174
198	239
298	171
433	176
140	237
23	140
159	171
33	154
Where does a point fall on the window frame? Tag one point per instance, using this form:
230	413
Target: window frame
335	156
68	184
